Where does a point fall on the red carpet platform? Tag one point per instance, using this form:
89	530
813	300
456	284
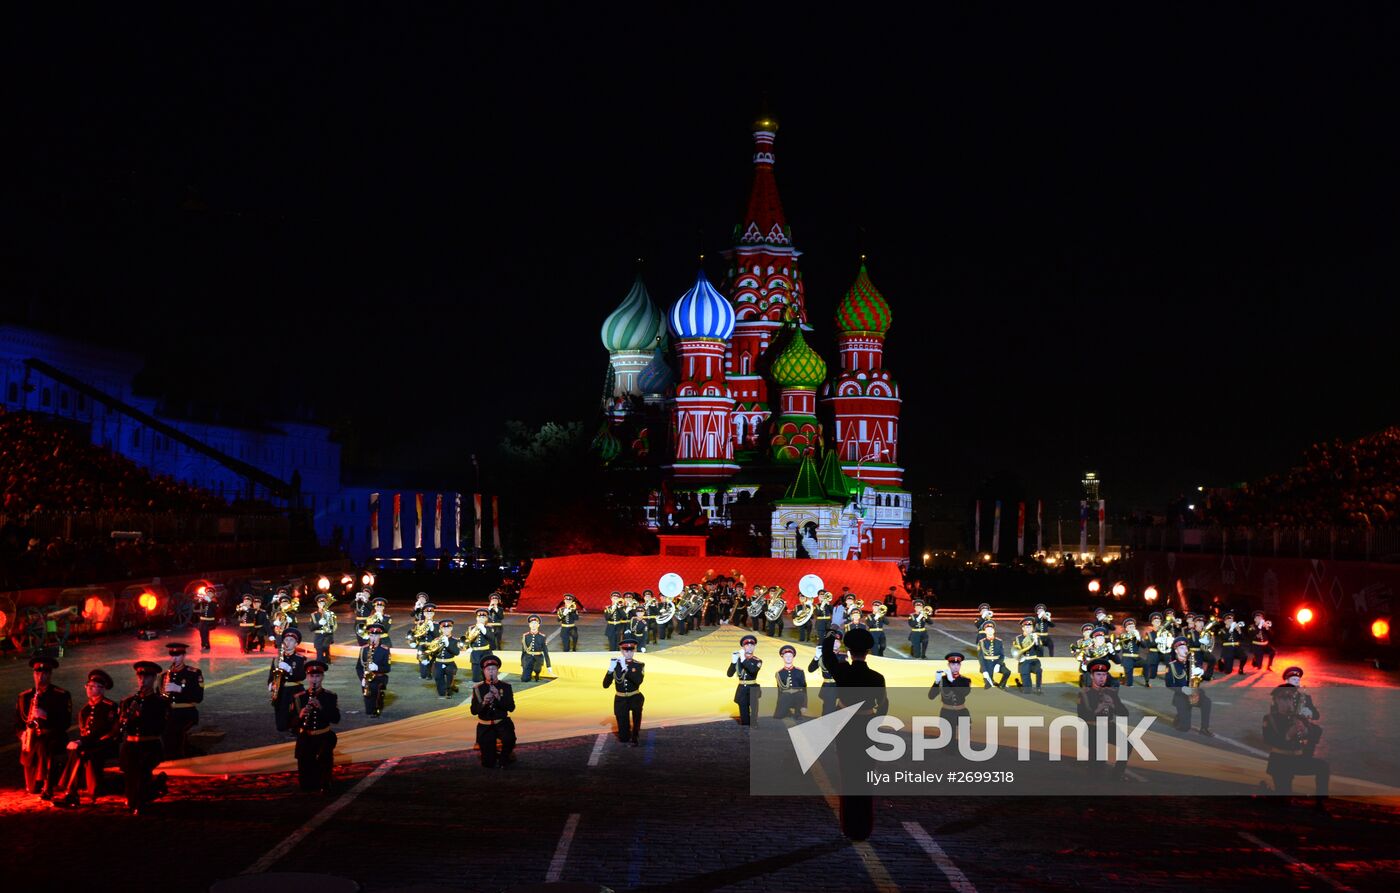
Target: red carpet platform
593	576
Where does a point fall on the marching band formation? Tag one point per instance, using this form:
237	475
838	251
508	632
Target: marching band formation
152	724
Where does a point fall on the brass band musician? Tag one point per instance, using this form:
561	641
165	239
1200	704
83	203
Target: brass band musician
568	622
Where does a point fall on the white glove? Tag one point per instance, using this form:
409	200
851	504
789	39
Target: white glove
40	713
734	658
173	687
270	686
286	667
373	667
614	664
938	677
1198	671
1305	713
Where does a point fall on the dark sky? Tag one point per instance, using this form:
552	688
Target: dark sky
1157	242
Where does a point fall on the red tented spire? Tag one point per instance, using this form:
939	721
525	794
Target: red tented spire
764	222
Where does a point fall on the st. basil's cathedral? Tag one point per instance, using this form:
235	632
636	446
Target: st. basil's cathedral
691	391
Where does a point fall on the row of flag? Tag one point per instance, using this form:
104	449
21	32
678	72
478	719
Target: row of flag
1084	509
437	522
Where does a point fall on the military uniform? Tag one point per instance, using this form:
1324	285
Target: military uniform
378	618
1179	673
96	744
1154	659
247	625
827	694
1201	644
492	703
877	629
651	608
478	644
568	624
425	631
857	812
1042	626
206	617
314	711
1231	637
614	619
951	692
42	739
1131	650
792	687
534	654
918	633
1291	733
141	720
445	667
1259	646
323	624
291	678
184	709
1097	701
624	677
637	629
1029	650
747	692
373	669
991	656
363	609
495	622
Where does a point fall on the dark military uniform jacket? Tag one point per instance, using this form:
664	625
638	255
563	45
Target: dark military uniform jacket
318	719
97	725
191	681
626	680
498	709
143	715
535	645
52	730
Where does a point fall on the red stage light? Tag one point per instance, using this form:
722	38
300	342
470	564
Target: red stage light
1094	585
201	590
1119	590
1304	616
4	620
1150	593
147	601
323	584
95	610
1380	628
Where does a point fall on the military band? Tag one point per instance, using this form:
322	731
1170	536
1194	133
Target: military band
951	688
637	627
991	656
1043	625
1259	647
183	687
314	711
1184	678
1028	650
478	644
444	651
615	618
1132	651
1232	641
1292	734
1100	700
495	621
425	631
792	686
877	628
918	631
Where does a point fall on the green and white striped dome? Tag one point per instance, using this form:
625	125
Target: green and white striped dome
635	324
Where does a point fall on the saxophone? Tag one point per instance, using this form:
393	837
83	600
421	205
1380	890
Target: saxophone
31	725
1193	682
278	676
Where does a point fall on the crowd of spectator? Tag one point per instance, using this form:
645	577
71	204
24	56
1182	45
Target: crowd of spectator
1352	483
49	470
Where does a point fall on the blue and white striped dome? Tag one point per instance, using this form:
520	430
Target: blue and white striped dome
635	324
702	312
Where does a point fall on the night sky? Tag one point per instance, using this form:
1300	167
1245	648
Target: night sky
1159	243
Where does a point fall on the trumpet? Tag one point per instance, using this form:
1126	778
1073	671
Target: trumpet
434	648
880	610
927	612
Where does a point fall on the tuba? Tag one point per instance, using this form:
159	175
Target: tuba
804	611
756	606
776	606
667	612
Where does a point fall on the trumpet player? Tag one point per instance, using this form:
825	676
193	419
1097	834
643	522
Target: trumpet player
821	615
1028	651
637	626
362	609
614	619
314	711
323	629
1159	643
1043	625
1184	679
495	620
492	703
877	627
247	624
951	689
1291	732
984	615
285	678
262	626
206	615
1231	638
445	651
918	631
373	669
1259	646
568	623
1203	646
792	685
183	686
42	716
652	609
991	656
534	650
478	640
95	745
378	618
746	694
1131	649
